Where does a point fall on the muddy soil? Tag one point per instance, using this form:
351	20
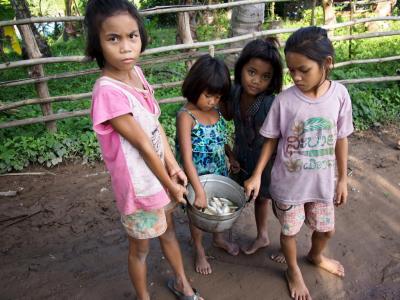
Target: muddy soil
61	238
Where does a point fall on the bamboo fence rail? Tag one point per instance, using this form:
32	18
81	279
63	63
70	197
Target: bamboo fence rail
81	96
180	57
148	60
146	12
359	2
80	113
197	45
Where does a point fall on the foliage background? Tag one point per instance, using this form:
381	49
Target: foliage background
373	104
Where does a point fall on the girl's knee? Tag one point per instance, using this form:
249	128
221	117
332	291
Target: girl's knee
328	234
138	249
168	235
285	237
140	255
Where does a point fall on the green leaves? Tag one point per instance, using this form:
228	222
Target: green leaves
48	150
377	103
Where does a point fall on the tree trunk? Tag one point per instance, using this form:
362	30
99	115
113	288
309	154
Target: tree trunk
192	24
313	5
382	9
329	12
207	15
37	71
245	19
21	9
69	28
2	39
33	51
184	32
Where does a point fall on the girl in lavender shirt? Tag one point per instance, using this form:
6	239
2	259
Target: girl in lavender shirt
308	124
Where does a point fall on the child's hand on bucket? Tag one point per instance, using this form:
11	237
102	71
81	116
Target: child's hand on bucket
178	193
179	177
200	200
252	187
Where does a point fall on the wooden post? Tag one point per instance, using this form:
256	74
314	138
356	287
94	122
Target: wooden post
329	14
211	50
245	19
38	71
312	21
352	11
69	27
382	9
185	33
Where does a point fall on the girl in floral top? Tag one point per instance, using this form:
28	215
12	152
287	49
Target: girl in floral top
202	135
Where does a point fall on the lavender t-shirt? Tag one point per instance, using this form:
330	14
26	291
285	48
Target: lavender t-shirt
307	129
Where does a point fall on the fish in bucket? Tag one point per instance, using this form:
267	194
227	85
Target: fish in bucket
226	200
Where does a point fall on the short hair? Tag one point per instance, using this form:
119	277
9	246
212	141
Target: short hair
99	10
207	74
266	50
312	42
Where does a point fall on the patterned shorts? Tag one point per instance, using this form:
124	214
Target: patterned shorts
145	224
318	216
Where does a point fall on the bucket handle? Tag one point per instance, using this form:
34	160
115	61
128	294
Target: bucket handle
184	206
248	199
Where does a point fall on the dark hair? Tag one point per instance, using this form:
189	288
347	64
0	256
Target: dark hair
267	50
96	12
312	42
207	74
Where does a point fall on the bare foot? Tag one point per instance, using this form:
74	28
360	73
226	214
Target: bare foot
278	258
257	244
297	287
231	248
202	266
328	264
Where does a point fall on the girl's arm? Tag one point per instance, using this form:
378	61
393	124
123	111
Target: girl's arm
225	108
174	170
233	163
184	124
341	151
127	126
252	185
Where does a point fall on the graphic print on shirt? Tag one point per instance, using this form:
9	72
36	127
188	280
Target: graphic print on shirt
312	145
156	141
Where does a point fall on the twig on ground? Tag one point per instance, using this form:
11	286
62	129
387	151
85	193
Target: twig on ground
29	174
8	194
19	218
96	174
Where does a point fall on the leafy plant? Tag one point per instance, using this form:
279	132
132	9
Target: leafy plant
48	150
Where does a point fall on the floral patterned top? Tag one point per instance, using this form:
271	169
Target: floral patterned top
208	146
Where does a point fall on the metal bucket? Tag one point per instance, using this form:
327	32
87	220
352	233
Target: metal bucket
216	186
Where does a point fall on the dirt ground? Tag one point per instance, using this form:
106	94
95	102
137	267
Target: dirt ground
61	238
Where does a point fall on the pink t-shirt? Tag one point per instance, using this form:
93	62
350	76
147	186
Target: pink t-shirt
134	185
304	168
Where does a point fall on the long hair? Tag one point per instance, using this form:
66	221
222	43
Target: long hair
99	10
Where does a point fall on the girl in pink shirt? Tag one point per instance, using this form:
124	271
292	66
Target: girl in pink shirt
308	124
144	172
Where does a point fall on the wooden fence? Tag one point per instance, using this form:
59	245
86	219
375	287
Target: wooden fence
169	55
